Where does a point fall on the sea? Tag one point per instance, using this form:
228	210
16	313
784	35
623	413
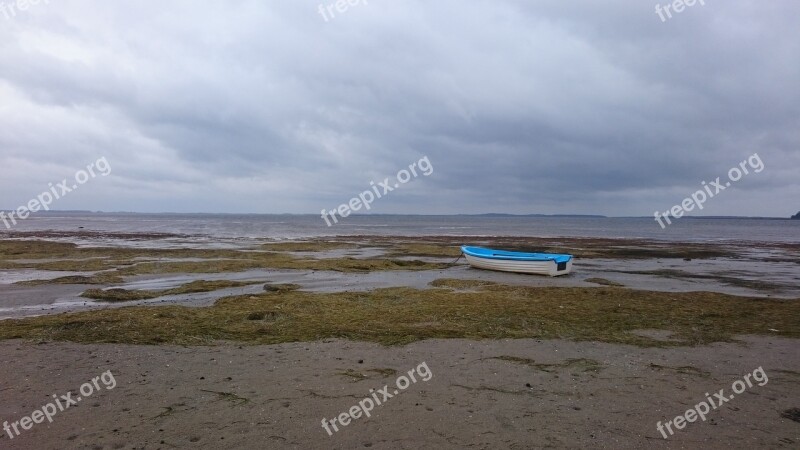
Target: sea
281	227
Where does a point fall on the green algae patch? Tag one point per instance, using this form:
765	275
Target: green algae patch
125	295
604	282
423	249
119	295
32	249
111	265
402	315
283	287
278	261
454	283
102	278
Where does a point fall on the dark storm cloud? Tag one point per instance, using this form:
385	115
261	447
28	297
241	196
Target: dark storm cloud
521	106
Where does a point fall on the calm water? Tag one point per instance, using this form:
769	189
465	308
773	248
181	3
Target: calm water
290	226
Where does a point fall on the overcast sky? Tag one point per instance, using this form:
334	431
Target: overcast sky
521	106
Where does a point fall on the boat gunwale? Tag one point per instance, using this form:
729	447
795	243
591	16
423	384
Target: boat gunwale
515	256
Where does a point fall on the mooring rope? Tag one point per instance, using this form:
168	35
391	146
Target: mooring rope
454	262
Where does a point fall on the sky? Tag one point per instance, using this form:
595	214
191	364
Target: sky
520	106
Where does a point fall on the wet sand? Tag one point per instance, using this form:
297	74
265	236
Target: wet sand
768	270
486	394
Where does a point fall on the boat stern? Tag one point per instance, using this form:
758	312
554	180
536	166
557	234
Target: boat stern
561	268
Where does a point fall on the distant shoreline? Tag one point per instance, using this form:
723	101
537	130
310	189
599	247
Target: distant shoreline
488	215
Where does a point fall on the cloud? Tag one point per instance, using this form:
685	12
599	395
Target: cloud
264	107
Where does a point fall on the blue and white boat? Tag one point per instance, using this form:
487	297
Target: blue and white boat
537	263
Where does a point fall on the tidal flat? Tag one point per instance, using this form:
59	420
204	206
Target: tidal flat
355	287
287	333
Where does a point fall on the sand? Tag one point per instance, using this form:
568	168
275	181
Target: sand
483	394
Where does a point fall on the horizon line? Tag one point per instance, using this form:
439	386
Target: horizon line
597	216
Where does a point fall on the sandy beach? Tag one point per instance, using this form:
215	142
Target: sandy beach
482	394
254	346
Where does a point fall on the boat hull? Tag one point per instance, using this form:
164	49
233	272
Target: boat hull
549	268
551	264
